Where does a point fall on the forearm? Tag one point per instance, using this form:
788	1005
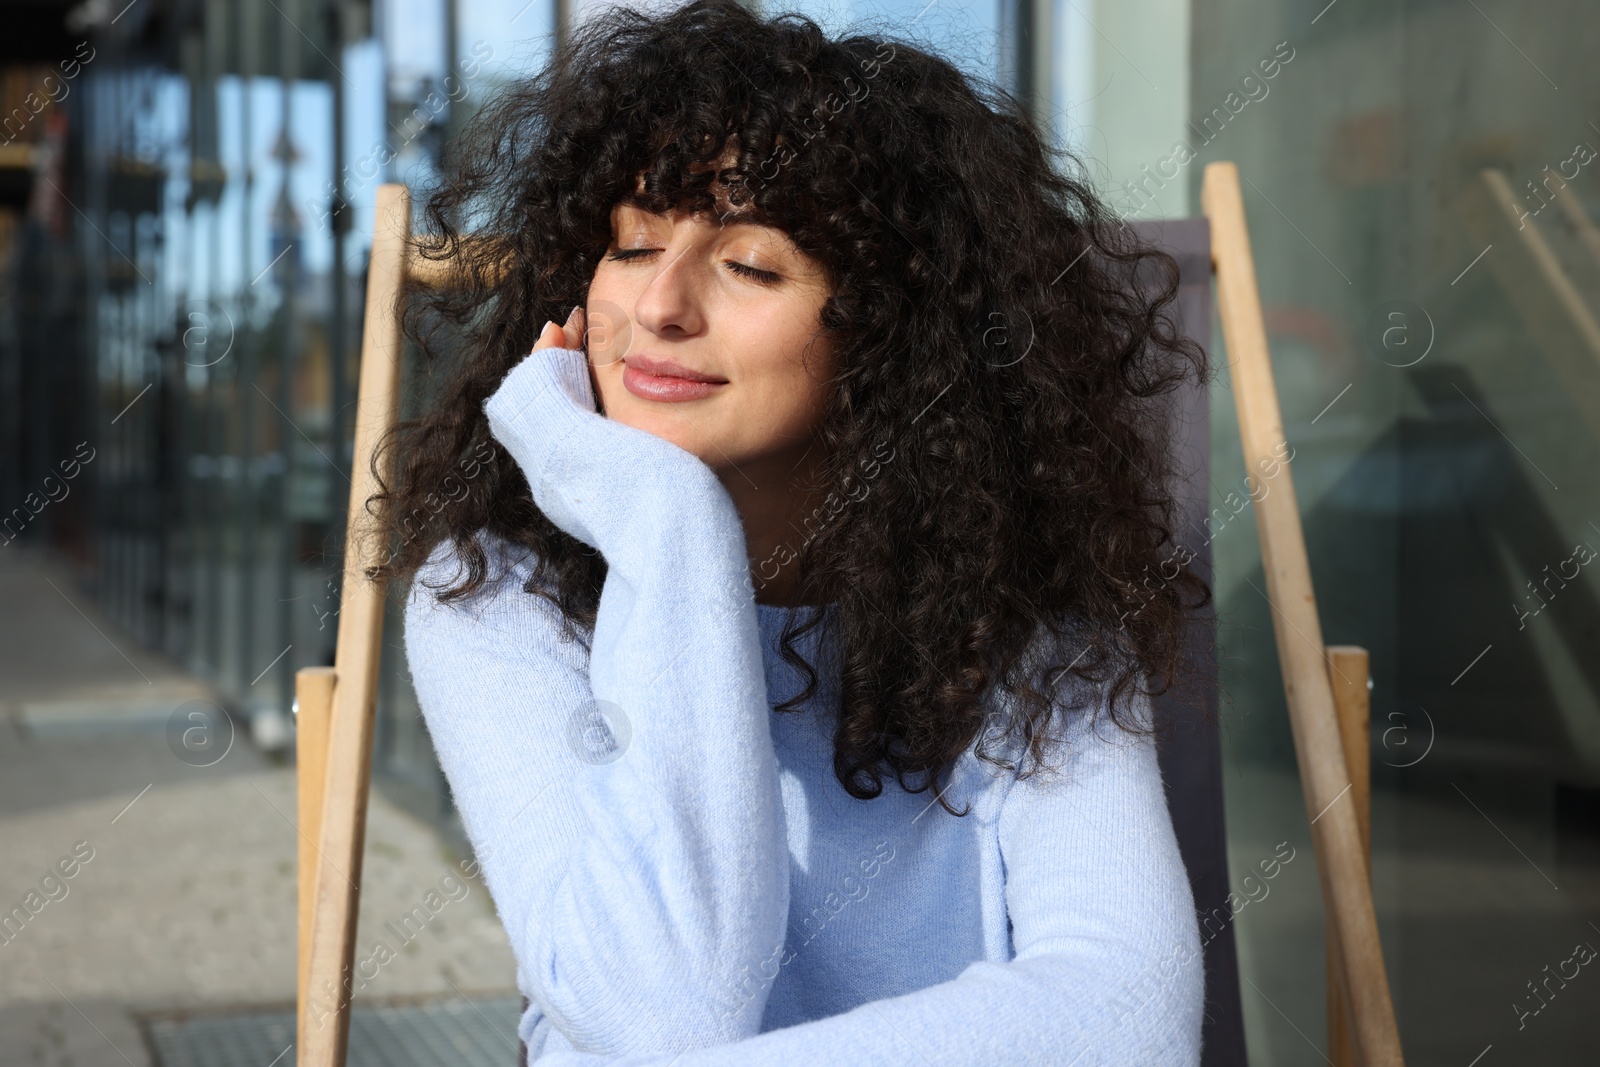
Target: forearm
1045	1011
647	874
1107	966
684	872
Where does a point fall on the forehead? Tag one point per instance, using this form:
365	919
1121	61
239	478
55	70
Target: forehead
722	201
631	209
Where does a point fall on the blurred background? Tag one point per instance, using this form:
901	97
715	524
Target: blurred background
186	200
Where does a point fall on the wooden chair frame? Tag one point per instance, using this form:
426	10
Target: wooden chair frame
1326	686
335	705
1333	755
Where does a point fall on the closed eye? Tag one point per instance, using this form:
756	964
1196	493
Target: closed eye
755	274
765	277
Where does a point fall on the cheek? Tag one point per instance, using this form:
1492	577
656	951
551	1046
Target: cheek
786	396
786	360
609	335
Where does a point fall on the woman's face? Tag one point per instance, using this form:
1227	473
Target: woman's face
678	297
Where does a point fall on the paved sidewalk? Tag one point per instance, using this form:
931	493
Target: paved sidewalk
182	889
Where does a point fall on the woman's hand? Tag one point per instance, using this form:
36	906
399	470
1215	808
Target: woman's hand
575	335
568	336
597	479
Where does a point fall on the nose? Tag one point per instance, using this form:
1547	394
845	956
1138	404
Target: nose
671	304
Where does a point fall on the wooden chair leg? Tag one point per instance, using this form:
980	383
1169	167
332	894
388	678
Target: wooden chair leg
1349	674
325	1021
313	694
1324	778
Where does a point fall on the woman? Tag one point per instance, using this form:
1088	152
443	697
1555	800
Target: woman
786	620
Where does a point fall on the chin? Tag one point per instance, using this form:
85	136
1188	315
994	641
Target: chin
667	428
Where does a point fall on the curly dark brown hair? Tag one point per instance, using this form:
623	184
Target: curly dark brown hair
994	325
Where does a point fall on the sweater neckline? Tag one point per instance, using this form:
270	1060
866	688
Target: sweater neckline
773	618
780	609
815	647
785	611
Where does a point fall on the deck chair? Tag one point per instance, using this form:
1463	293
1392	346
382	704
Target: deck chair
336	705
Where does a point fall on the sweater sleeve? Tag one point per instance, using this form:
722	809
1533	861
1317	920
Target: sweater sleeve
1106	967
626	800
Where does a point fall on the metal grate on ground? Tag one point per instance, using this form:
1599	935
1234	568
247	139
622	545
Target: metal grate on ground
447	1033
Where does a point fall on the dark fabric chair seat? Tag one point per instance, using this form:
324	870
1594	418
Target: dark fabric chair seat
1190	743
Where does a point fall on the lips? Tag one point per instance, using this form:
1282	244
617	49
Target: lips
667	380
670	368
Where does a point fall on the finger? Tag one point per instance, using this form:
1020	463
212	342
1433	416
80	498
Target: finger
577	323
549	337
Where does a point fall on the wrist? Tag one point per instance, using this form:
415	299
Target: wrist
613	486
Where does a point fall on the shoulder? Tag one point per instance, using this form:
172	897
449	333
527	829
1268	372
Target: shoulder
1080	723
499	626
507	570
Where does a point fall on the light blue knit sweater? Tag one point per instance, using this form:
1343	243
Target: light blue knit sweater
682	878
